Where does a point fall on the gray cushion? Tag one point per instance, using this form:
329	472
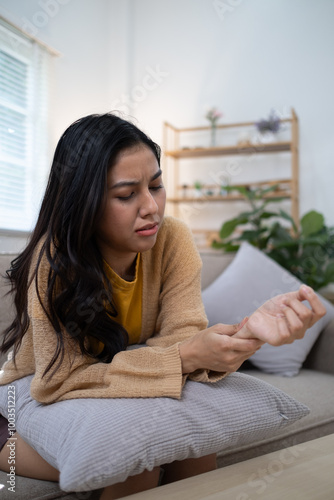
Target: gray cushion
250	280
98	442
314	389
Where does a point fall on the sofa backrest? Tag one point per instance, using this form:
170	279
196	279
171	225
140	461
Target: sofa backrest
214	264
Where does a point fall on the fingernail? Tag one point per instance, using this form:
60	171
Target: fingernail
306	289
243	322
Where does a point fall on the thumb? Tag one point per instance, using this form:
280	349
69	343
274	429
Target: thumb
231	329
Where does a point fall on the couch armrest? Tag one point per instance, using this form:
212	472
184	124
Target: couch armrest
321	357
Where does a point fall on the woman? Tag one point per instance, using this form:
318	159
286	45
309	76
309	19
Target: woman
104	269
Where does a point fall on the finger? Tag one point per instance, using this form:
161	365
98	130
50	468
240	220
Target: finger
300	294
245	345
222	329
296	326
229	330
307	293
282	334
301	310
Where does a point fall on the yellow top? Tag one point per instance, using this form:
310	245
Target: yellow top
127	297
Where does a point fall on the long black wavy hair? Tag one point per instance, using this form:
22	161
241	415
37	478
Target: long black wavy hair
79	297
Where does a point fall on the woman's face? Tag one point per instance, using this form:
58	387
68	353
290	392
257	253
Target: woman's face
134	208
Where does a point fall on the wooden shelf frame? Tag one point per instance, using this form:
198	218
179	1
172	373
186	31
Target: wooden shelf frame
283	191
228	197
274	147
172	151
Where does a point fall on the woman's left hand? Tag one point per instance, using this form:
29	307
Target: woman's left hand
284	318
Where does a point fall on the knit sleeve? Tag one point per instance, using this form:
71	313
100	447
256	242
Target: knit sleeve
134	374
138	373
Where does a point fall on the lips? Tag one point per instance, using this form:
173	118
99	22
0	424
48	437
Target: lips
148	229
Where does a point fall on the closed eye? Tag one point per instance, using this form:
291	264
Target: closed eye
125	198
152	188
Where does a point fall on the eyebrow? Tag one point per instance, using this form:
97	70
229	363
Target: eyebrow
135	183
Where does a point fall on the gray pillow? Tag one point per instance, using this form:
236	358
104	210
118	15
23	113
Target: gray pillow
98	442
250	280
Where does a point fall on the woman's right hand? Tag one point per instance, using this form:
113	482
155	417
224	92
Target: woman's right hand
216	349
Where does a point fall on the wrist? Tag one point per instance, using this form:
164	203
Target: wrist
187	356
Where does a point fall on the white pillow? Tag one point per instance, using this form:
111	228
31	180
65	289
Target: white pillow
250	280
98	442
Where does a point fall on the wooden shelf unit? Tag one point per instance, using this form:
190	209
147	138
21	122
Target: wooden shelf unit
175	154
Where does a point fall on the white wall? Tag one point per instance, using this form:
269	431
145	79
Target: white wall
258	55
171	60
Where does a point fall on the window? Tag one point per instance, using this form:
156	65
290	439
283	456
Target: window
24	154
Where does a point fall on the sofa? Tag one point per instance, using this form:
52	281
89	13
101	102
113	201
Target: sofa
313	386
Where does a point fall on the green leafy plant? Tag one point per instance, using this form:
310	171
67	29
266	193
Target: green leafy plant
307	251
198	185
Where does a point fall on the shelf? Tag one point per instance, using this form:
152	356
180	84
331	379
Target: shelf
273	147
182	192
204	239
227	197
218	126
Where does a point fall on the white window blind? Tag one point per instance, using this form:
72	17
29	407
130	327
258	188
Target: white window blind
24	153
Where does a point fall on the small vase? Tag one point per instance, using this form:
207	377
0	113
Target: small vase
268	137
213	136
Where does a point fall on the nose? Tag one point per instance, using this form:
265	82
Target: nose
148	204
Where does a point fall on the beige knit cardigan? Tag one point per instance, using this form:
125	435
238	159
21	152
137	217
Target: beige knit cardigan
172	311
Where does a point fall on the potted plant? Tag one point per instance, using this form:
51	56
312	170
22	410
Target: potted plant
198	189
306	251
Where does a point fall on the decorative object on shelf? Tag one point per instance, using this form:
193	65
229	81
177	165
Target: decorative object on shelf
225	182
244	140
223	190
198	189
213	116
308	252
184	190
269	127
